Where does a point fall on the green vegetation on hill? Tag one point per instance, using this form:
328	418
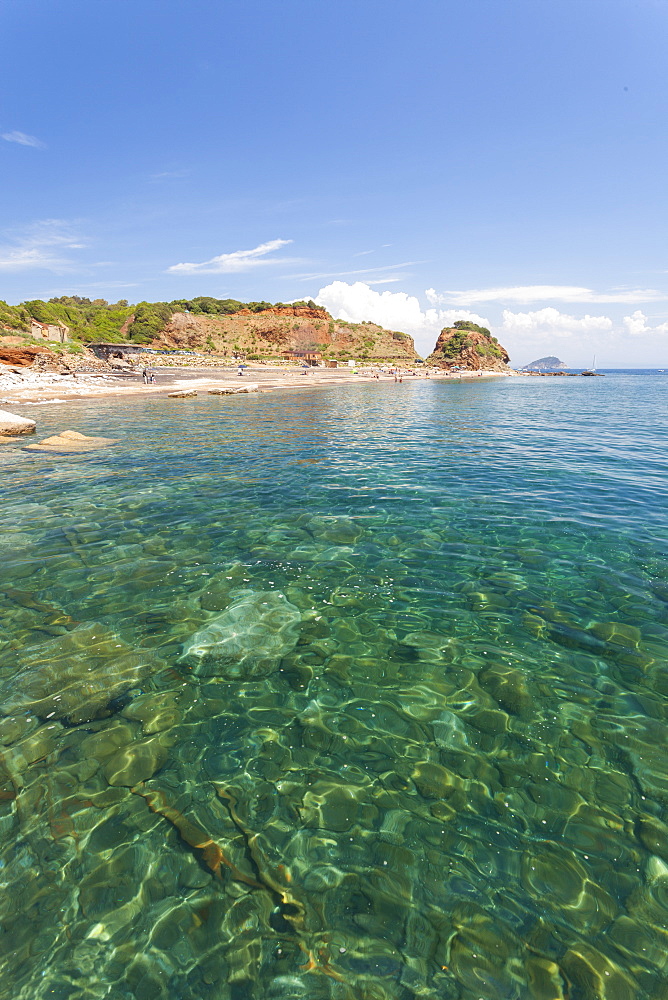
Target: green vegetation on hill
460	341
466	324
454	347
96	319
88	320
222	326
205	305
150	319
469	345
489	350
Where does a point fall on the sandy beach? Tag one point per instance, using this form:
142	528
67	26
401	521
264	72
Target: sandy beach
25	386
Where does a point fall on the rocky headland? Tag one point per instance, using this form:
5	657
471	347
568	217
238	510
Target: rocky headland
470	347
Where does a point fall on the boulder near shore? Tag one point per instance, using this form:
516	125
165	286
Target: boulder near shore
11	425
71	442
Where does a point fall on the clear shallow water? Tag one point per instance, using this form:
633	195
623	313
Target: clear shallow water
358	693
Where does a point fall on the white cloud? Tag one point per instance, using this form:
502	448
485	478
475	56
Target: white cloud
537	293
38	248
235	262
636	325
393	310
23	139
549	322
316	275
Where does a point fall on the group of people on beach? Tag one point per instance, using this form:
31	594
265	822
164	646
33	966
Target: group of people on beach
148	376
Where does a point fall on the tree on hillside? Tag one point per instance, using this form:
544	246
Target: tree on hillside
150	319
465	324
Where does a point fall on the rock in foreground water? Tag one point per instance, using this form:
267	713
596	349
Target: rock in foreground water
71	441
75	676
11	424
232	390
248	639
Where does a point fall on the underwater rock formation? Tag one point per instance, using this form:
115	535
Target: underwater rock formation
76	675
248	639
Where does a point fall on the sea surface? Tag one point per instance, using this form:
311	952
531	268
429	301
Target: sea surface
354	693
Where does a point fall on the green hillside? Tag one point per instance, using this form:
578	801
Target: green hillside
96	319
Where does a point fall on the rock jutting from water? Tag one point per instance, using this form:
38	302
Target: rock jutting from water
11	424
469	346
232	390
248	639
71	441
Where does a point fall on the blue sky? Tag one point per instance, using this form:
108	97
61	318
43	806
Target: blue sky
406	162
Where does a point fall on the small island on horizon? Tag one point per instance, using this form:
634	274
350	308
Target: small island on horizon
548	364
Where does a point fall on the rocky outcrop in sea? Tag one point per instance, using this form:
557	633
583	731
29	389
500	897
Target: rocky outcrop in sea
469	346
549	364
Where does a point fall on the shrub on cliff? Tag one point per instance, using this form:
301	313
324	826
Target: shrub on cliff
453	347
465	324
14	317
488	351
150	319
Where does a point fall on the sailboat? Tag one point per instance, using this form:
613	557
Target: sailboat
592	370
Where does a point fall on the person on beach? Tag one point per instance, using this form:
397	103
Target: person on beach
144	375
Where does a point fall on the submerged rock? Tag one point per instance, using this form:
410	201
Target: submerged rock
248	639
340	530
75	676
135	762
71	441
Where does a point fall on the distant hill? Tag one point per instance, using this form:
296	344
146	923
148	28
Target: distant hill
467	345
221	326
550	364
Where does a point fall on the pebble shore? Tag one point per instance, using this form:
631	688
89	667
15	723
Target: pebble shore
26	385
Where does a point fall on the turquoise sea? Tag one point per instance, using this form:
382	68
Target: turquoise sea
354	693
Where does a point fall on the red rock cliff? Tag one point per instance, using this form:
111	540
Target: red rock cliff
308	312
470	347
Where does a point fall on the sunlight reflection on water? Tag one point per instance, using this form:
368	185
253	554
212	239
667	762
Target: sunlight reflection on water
356	693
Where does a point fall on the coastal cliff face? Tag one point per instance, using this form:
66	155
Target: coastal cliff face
273	331
259	330
20	356
469	346
310	312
